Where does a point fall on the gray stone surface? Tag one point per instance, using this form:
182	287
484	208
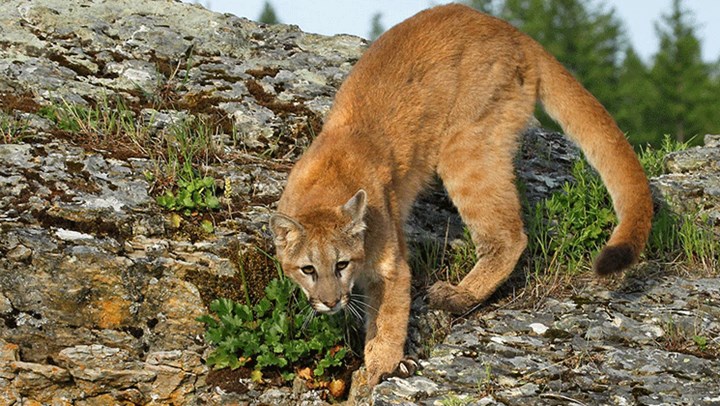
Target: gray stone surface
692	183
99	288
635	346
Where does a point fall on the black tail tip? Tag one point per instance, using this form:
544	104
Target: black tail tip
614	259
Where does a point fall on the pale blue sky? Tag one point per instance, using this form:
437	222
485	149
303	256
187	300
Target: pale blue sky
353	17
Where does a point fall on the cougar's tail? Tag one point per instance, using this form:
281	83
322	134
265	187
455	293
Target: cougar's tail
588	124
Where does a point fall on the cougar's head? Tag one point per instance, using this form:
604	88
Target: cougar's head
321	251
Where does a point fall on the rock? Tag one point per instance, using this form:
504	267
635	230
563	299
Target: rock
692	184
640	356
93	277
97	363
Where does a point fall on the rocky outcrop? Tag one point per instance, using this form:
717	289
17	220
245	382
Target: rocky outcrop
692	182
643	343
100	287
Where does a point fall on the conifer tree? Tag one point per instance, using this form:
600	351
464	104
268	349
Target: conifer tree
682	78
268	15
638	98
587	38
376	27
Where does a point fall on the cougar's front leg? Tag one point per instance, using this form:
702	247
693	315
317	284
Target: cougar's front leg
387	316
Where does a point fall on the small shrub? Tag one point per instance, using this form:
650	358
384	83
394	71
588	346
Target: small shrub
274	334
192	195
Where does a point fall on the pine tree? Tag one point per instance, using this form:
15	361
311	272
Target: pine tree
376	27
682	78
268	15
638	98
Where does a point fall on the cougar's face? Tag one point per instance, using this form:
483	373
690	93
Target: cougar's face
323	252
326	271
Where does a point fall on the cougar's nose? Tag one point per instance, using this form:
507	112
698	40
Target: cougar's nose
327	306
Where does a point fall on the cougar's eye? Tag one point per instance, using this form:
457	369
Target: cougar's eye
308	269
339	267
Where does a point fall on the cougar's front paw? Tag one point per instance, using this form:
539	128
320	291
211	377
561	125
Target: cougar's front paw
405	369
444	296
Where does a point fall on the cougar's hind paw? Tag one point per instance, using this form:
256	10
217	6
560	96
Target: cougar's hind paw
445	296
405	369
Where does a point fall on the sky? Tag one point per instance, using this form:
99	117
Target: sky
353	17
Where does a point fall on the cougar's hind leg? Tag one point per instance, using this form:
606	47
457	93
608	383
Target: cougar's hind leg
476	166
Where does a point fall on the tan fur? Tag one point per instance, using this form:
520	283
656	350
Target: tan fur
447	92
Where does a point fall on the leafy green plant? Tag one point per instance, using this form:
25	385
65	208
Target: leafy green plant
196	194
274	334
452	399
701	342
186	144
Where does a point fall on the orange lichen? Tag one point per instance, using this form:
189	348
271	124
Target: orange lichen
112	312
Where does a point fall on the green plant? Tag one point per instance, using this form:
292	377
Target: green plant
570	226
701	342
450	262
103	122
653	159
678	237
11	130
567	228
176	151
188	143
486	383
192	195
274	334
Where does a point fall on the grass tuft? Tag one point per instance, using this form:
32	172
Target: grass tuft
178	152
12	131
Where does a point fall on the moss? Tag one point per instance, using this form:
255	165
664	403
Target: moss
256	268
252	267
212	286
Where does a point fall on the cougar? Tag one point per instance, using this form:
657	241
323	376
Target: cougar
445	92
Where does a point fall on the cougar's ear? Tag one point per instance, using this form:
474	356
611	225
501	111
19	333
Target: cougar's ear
285	229
355	208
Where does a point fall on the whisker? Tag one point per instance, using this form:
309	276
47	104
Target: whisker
308	318
366	305
354	311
